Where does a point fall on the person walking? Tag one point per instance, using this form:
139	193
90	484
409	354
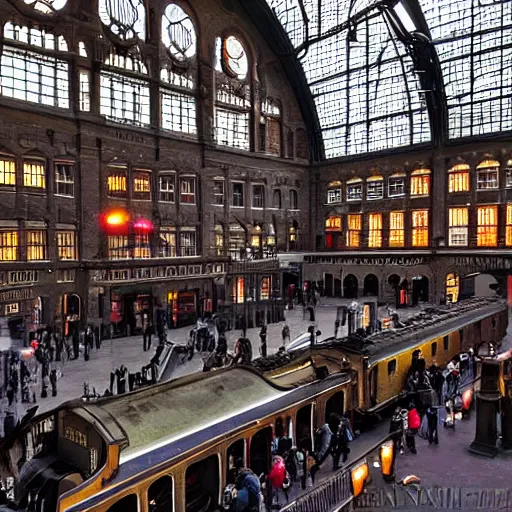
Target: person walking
433	421
343	438
326	439
263	338
53	381
413	425
147	335
285	334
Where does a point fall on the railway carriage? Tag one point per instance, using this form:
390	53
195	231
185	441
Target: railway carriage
172	446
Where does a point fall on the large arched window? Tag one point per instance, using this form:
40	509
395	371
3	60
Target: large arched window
233	94
47	6
28	69
124	94
126	19
178	74
487	175
458	178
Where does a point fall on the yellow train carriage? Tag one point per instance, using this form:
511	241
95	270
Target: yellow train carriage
172	446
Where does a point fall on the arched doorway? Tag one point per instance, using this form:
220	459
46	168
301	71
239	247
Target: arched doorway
420	290
350	287
71	311
452	288
371	286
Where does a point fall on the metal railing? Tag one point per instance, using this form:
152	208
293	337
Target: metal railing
333	493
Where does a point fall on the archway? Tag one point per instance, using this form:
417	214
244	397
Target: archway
371	286
420	289
350	286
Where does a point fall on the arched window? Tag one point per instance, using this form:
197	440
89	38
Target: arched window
270	127
334	192
277	201
233	94
28	69
160	495
458	178
487	173
47	6
126	19
178	75
294	200
420	182
125	99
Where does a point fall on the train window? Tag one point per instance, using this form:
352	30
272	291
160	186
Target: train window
374	383
391	366
234	452
304	428
260	447
446	342
202	485
335	404
433	348
160	495
127	504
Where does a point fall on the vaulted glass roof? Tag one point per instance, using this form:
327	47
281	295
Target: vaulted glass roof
361	61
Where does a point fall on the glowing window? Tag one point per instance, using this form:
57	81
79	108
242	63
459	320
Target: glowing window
333	224
118	248
36	245
124	18
142	246
66	245
117	183
458	178
509	226
354	226
7	171
167	242
178	33
239	291
142	185
396	229
334	195
34	174
458	226
487	226
452	288
375	230
265	288
420	228
396	185
8	245
375	188
420	182
487	175
354	190
219	240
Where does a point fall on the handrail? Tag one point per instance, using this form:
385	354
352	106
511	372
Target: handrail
335	491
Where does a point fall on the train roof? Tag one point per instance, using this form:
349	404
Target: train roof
428	324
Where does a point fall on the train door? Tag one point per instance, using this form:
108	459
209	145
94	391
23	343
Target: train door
304	428
235	451
260	451
161	495
202	485
373	385
335	405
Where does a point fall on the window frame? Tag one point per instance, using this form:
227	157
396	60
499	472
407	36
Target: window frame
459	179
508	225
138	196
433	349
236	194
11	160
170	230
334	195
354	234
375	188
392	368
43	245
458	230
118	172
294	200
396	230
419	231
424	180
38	162
492	232
193	180
217	194
14	234
73	247
257	187
392	181
164	175
173	485
353	186
182	246
375	233
64	182
487	168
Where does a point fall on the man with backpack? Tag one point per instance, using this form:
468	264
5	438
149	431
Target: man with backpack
249	489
